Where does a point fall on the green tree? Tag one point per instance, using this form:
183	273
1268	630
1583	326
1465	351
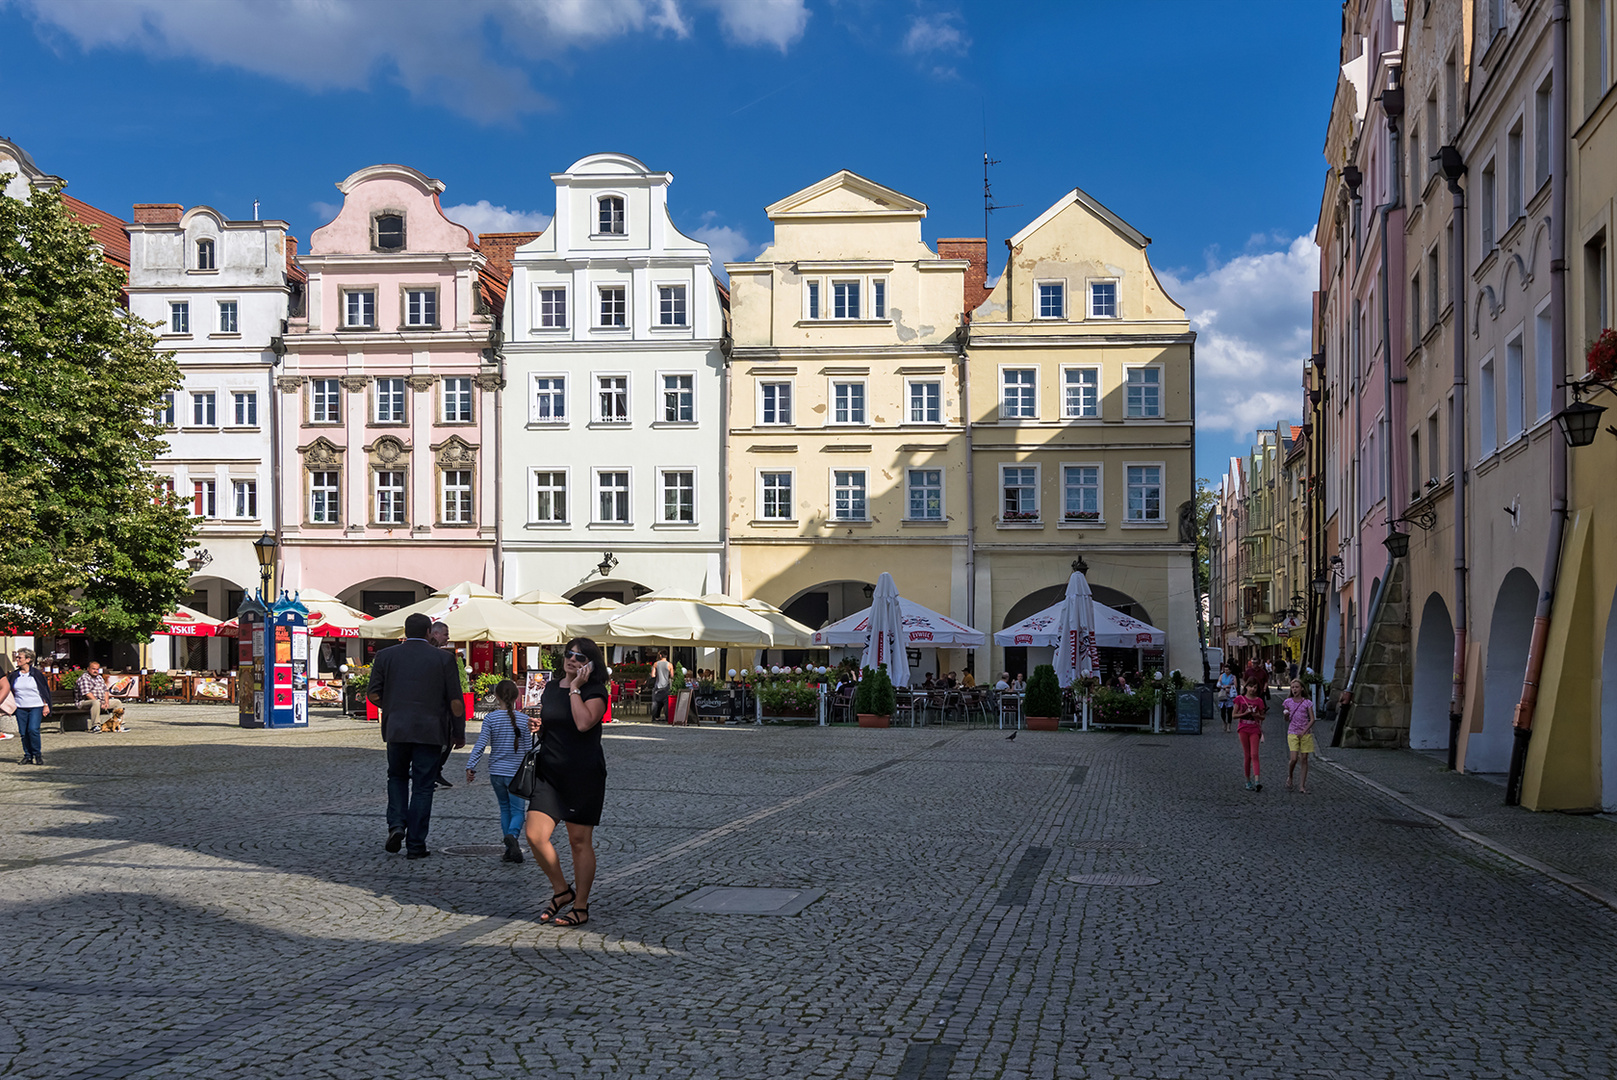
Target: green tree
87	542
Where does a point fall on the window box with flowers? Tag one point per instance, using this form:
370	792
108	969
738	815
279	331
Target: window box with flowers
1019	515
1602	355
1083	515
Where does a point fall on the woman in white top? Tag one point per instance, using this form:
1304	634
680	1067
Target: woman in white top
33	696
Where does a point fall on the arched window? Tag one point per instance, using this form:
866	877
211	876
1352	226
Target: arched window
205	255
611	215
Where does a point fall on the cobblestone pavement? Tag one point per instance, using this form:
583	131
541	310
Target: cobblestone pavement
195	899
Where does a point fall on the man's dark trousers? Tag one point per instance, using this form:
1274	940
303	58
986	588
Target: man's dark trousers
411	769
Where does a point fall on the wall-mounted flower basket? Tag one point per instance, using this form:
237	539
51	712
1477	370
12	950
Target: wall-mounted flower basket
1602	355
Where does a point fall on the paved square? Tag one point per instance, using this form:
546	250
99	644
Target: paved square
195	899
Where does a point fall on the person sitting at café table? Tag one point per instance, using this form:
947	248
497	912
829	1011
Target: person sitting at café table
92	690
1004	683
968	681
1019	683
950	682
927	683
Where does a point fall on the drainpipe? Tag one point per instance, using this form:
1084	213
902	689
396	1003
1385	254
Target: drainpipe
726	346
962	340
1453	168
1392	103
278	352
1558	448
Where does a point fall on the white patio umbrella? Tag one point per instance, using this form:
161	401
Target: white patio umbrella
783	633
1076	655
801	636
472	613
589	620
1113	630
673	616
923	628
884	628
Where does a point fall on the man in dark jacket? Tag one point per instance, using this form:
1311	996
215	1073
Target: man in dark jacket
417	689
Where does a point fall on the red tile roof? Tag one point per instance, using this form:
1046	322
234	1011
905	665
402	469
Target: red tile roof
107	230
294	272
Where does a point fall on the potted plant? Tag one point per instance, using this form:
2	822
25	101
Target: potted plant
483	686
875	699
1602	355
1042	704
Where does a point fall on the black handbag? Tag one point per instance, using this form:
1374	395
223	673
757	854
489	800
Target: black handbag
526	779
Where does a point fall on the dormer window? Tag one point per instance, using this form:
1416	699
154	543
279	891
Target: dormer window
388	232
610	215
205	255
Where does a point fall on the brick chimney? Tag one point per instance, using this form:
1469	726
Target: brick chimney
152	213
974	251
498	248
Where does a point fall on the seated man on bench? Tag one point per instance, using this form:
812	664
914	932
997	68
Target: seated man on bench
92	690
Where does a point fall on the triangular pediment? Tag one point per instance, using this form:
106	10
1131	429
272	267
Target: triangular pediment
1080	201
847	194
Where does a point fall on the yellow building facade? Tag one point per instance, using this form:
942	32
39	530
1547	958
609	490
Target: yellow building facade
1081	404
845	452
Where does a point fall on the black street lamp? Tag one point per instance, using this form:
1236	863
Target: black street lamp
1580	421
1397	544
264	547
1321	585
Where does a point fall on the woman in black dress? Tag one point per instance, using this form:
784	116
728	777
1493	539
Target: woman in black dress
572	778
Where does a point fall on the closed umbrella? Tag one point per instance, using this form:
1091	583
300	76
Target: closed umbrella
885	628
1076	654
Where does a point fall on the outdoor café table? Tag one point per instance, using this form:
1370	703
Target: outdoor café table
1010	701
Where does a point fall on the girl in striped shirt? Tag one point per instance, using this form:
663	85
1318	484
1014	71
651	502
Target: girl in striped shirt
505	736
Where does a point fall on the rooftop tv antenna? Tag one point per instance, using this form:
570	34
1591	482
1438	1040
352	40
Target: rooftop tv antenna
989	205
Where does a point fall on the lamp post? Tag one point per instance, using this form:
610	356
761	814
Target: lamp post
264	547
1580	421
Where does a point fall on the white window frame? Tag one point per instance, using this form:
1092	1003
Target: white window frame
1487	407
231	308
445	394
376	399
179	318
662	496
878	298
333	400
1543	362
1160	522
164	414
402	493
1099	519
1516	354
566	474
1117	297
334	506
1038	492
244	408
833	384
831	503
414	320
1128	373
205	491
1067	412
910	488
1006	370
791	494
813	299
539	313
1517	191
534	419
857	307
346	313
791	403
1487	203
596	491
600	306
597	416
622	215
467	493
212	250
211	420
240	506
1060	284
662	398
682	303
910	387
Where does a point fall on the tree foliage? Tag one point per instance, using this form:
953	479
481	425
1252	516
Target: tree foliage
86	542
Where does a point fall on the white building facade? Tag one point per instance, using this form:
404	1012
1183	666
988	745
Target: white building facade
613	432
220	292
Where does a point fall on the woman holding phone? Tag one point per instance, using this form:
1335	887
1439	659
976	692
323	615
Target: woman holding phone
572	778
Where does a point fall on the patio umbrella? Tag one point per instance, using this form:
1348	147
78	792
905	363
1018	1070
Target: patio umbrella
923	627
783	632
188	622
472	613
673	616
1075	632
1113	630
803	636
589	620
884	629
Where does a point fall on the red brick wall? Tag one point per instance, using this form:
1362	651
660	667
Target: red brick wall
157	213
974	251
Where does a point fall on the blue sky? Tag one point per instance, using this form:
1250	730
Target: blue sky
1199	122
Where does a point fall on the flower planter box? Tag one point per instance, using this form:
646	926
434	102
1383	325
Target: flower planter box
871	720
1042	723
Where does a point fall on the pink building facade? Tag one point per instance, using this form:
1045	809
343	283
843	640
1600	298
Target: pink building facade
387	421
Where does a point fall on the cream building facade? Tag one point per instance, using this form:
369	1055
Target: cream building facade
1081	408
845	441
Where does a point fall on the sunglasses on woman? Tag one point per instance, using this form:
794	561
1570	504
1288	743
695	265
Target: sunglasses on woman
578	657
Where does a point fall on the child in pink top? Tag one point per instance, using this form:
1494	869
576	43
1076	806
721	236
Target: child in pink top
1299	732
1249	709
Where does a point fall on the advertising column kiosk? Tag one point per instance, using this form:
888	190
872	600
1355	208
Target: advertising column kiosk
273	676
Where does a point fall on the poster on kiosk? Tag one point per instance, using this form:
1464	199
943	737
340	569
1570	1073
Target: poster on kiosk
273	659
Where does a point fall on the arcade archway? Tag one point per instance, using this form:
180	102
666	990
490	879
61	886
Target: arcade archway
1509	634
1434	677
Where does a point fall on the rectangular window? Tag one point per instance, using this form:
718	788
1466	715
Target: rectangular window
325	401
848	403
1080	492
1432	133
204	503
775	403
612	399
1103	299
878	298
612	497
390	497
845	299
1019	393
1486	208
679	399
1144	392
549	496
359	308
1434	451
1543	364
609	218
549	399
1514	180
1451	96
1541	134
926	494
1450	444
228	323
553	308
614	306
1082	386
1596	52
205	255
848	494
1434	305
457	400
1414	465
679	497
164	413
202	409
1019	485
1415	308
1487	412
1415	169
1145	493
390	401
813	299
245	403
1515	407
1596	310
323	501
1052	300
926	402
776	495
457	496
671	305
179	317
244	494
421	307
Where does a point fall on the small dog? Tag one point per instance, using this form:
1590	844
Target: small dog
114	722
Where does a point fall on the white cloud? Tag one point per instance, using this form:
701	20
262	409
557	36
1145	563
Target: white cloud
438	52
484	217
724	243
936	33
1251	318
